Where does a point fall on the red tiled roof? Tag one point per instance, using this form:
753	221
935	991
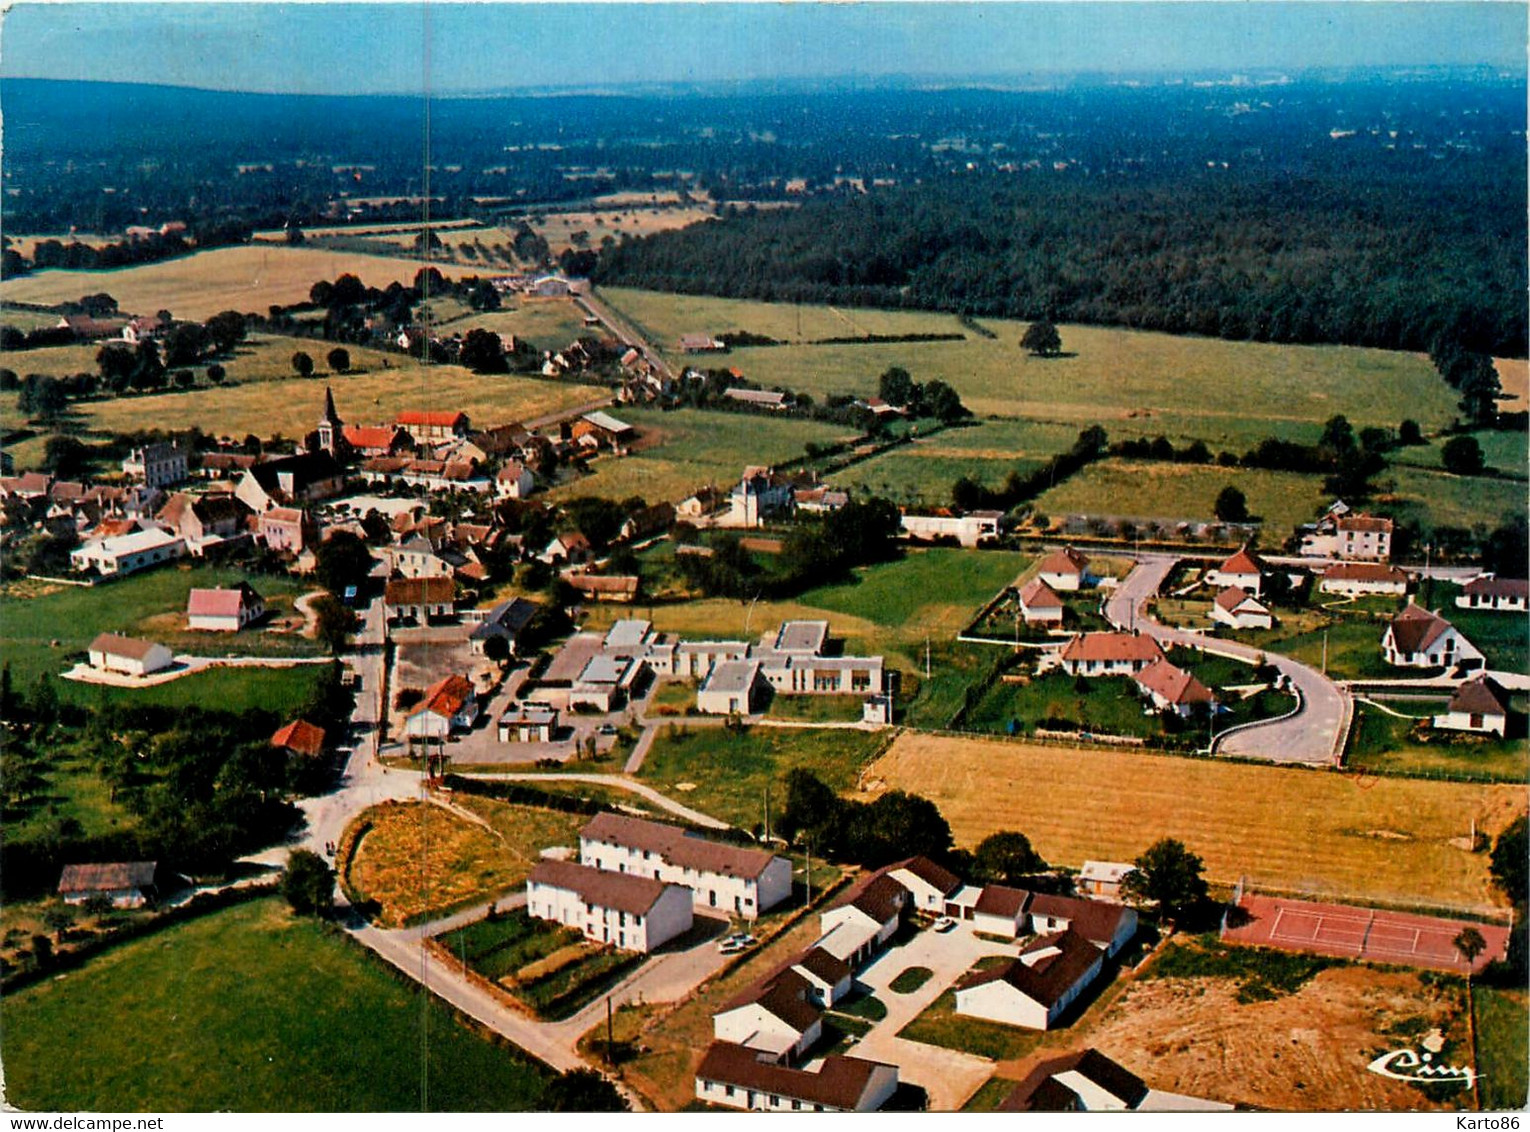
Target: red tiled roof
1001	900
447	696
936	876
431	419
1095	920
1111	647
1036	594
114	645
1064	561
1041	1092
1173	684
1233	598
1369	524
784	995
300	736
1243	562
370	436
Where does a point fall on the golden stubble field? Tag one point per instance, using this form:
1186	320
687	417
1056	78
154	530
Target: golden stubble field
249	278
1360	837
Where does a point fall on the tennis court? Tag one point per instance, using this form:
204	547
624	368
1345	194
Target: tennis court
1360	933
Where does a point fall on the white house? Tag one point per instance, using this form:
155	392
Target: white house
1088	1081
1103	879
1364	536
735	1076
1039	604
776	1017
529	723
1240	609
631	913
1500	595
224	610
1035	989
929	885
1479	705
112	653
761	494
829	978
856	927
1065	569
1243	571
129	553
1001	910
728	879
1171	688
157	465
450	704
514	481
1109	654
1358	579
127	884
734	687
419	599
1417	638
1110	927
969	530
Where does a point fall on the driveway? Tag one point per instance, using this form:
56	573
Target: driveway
1312	735
948	1076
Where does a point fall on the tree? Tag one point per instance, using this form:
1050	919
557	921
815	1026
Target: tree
65	457
41	396
116	366
1408	433
302	364
1168	876
216	374
1041	339
895	386
581	1090
185	344
341	561
226	329
1462	456
497	649
482	352
1231	505
308	883
943	403
1470	944
339	359
1510	862
333	623
1006	858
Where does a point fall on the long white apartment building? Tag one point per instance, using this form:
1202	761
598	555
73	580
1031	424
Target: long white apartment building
632	913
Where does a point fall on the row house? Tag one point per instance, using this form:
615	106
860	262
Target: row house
626	911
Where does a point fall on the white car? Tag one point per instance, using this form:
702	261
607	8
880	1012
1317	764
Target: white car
944	924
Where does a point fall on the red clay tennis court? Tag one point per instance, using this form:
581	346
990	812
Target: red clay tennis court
1364	933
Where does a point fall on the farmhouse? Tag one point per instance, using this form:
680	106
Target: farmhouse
426	427
701	344
1366	537
157	465
300	738
1035	989
1103	879
631	913
1500	595
450	704
129	553
507	621
1417	638
1242	571
420	599
1171	688
731	879
733	687
614	434
1479	705
224	610
761	494
127	884
1109	654
621	588
1039	604
1357	579
1240	609
1088	1081
776	1017
707	501
112	653
1065	569
570	547
514	481
305	478
528	723
819	500
758	398
737	1077
969	530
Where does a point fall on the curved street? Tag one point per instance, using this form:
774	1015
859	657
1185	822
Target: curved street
1314	734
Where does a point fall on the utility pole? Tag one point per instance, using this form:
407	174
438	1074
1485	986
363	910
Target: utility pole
1325	652
808	873
610	1035
767	811
926	657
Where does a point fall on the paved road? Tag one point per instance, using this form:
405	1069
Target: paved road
648	793
1311	735
627	333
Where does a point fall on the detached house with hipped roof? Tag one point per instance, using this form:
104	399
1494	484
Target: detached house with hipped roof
1109	654
1065	569
1242	571
1239	609
1417	638
1480	705
301	738
1039	604
1171	688
450	704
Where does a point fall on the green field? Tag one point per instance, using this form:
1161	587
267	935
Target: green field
926	591
1141	489
725	773
1502	451
1438	499
1228	393
1502	1057
1384	743
680	452
549	325
38	633
247	1009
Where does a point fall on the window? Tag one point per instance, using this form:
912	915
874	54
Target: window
728	1091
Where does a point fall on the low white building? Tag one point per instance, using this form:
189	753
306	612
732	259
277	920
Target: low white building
1103	879
1088	1081
1109	654
1480	706
224	610
529	723
929	885
731	880
1239	609
856	927
1037	988
450	704
735	1076
733	687
1001	910
969	530
776	1017
1358	579
128	655
631	913
1498	595
129	553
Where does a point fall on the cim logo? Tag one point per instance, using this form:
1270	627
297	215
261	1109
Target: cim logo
1421	1067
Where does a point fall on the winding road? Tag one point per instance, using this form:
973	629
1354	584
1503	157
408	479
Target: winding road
1313	734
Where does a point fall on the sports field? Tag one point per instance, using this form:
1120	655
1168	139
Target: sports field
248	278
1314	831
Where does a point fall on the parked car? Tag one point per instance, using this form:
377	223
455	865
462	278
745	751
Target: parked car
944	924
606	729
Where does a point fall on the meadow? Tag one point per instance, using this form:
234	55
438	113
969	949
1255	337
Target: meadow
249	1009
249	278
547	324
1362	837
1441	499
1503	450
1384	743
679	452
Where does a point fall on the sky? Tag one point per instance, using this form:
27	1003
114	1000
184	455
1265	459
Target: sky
324	48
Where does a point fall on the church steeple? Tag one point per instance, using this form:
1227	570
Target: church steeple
331	436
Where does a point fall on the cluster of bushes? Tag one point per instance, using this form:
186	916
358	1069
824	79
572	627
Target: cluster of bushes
969	495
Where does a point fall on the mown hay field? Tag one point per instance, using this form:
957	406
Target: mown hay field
247	278
1353	836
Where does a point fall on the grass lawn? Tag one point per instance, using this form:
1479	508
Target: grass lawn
910	979
501	946
419	861
1352	642
248	278
1109	705
75	790
284	691
1502	451
673	697
932	591
1229	393
1438	499
991	1095
1385	744
524	830
941	1025
247	1009
1145	489
1502	1057
1386	839
687	449
725	773
816	709
915	475
547	325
